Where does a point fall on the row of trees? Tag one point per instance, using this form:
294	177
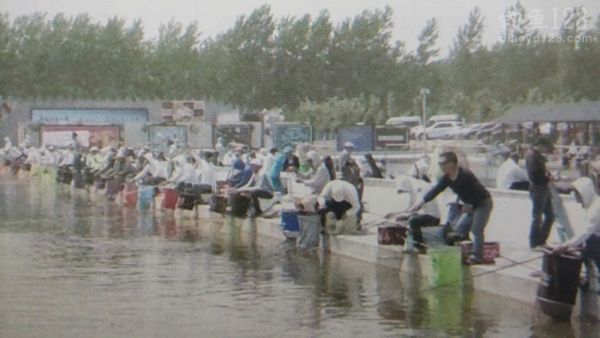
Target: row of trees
315	70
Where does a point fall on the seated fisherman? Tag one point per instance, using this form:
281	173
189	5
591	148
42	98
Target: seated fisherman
340	198
317	176
511	176
427	216
258	186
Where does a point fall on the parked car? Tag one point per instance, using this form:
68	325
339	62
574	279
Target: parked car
417	131
487	130
467	132
441	130
403	121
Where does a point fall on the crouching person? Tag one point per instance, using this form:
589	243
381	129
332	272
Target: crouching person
340	198
427	216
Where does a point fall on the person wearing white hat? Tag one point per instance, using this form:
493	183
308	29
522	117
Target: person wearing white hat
317	177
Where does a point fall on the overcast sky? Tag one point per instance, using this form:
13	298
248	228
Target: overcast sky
214	17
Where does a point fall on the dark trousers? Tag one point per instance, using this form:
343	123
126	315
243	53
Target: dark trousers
592	250
338	209
253	194
415	224
541	200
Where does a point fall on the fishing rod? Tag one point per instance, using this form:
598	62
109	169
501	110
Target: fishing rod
515	263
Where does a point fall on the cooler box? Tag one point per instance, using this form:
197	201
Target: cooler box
391	234
130	194
557	289
145	196
491	251
289	223
170	197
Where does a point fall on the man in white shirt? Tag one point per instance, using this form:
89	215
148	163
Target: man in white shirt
511	176
427	216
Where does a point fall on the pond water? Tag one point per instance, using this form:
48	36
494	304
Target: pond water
73	264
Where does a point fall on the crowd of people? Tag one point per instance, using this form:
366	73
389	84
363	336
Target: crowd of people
335	184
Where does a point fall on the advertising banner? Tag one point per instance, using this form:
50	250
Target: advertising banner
158	136
239	133
361	136
89	116
88	136
391	137
290	134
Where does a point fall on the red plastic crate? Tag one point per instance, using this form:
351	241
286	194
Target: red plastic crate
491	251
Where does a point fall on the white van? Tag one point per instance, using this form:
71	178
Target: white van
406	121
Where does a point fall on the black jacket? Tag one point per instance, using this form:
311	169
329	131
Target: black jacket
536	168
466	186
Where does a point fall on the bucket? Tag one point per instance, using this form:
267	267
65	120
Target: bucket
35	170
130	194
310	227
145	196
64	175
557	289
239	205
50	174
170	197
187	202
391	234
99	184
218	203
112	189
491	251
289	223
78	181
446	266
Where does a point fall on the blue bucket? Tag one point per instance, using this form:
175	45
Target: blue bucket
145	196
289	223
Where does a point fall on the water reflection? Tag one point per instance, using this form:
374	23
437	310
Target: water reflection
115	271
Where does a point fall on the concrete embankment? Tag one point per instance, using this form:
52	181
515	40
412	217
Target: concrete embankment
513	275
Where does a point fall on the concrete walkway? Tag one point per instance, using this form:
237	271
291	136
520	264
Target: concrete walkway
508	277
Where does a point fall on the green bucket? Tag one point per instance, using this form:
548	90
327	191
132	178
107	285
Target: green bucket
446	264
50	174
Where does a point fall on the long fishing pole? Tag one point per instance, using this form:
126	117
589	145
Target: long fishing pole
452	283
